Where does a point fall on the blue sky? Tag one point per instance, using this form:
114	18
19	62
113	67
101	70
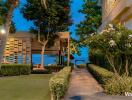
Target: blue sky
21	23
24	25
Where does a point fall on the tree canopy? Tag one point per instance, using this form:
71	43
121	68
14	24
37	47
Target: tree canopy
48	21
115	42
4	8
92	21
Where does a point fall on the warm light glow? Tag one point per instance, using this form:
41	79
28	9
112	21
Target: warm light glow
2	31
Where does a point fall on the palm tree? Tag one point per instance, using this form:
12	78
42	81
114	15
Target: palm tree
11	5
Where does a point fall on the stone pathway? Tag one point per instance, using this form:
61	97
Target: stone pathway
84	87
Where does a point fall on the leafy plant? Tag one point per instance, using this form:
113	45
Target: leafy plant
116	44
101	74
112	84
92	12
118	86
13	70
59	83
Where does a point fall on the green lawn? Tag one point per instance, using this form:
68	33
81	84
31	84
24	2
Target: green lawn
31	87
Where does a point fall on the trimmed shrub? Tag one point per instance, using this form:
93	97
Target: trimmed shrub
46	71
100	73
118	86
81	66
13	70
112	84
54	68
59	83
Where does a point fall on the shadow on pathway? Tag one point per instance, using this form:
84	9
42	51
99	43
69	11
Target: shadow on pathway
84	87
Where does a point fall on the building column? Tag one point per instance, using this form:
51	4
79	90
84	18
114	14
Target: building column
68	56
59	57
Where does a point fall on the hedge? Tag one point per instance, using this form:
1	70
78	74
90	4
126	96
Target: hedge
118	86
112	84
81	66
14	69
59	83
100	73
54	68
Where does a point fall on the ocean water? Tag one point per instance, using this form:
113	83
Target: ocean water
48	59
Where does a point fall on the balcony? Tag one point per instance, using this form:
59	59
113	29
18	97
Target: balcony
120	8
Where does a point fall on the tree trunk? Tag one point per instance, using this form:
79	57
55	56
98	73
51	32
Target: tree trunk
5	36
42	53
126	66
111	62
44	3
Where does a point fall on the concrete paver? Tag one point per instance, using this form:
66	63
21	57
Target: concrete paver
84	87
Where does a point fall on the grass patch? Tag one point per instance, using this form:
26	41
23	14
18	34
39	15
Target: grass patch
28	87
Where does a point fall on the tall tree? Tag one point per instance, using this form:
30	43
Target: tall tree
7	9
92	21
48	21
3	14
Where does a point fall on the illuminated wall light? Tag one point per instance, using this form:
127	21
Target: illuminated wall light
2	31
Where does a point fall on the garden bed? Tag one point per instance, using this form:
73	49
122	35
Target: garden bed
112	84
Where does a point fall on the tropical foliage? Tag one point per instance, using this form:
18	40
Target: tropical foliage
116	43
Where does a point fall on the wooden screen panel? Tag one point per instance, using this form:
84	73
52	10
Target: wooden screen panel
18	50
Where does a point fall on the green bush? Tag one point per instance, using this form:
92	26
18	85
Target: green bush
130	71
81	66
13	70
59	83
54	68
118	86
100	73
114	85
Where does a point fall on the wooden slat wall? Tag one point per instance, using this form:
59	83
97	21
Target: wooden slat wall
18	50
21	44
